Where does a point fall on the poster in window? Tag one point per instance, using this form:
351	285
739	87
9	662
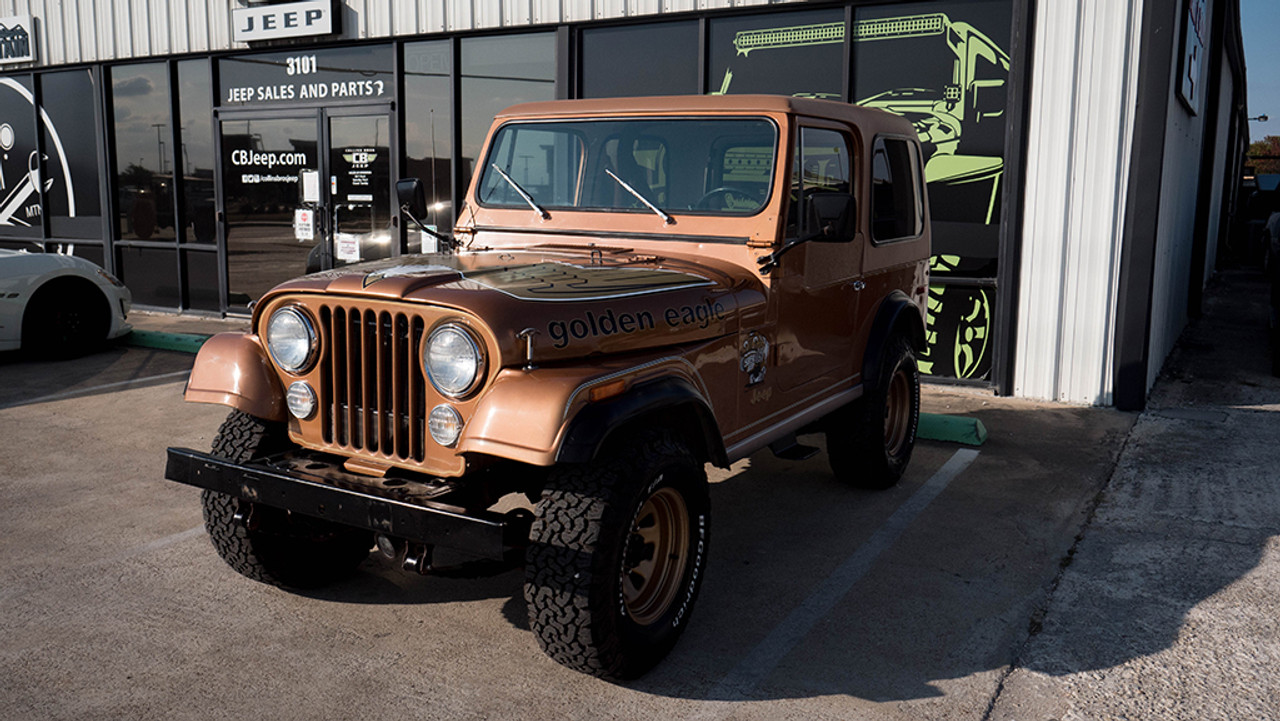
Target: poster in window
798	54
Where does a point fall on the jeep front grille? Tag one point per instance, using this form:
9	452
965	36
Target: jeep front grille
372	388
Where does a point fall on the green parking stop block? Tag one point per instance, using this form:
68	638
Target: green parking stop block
181	342
952	429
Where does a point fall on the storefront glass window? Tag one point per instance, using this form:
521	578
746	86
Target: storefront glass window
498	72
71	152
21	212
659	59
151	274
307	77
142	140
800	53
428	132
945	67
200	276
195	109
261	161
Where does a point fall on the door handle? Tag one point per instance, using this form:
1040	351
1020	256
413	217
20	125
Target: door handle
859	285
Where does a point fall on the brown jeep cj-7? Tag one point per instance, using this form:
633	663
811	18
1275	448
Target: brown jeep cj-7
638	287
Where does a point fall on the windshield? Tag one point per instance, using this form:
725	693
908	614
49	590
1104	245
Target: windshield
650	165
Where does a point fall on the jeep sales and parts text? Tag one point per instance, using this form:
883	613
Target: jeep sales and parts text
302	65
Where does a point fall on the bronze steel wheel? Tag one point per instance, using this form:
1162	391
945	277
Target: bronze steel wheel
616	556
656	555
898	411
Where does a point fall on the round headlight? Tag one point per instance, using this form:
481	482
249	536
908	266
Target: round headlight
291	339
445	425
453	360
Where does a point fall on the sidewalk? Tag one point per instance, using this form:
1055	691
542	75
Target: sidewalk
1167	606
162	322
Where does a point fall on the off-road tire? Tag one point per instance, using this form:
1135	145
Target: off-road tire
869	441
588	605
269	544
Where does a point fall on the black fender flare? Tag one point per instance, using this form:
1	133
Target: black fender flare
671	401
897	316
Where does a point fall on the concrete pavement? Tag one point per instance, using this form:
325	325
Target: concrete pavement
1085	564
1168	608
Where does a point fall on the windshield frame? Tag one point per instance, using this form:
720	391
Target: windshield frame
492	147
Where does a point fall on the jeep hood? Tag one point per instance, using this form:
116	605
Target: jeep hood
579	300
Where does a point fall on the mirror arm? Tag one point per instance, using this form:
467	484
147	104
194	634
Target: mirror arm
768	262
404	210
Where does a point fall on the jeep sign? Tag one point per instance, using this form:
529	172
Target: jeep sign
270	22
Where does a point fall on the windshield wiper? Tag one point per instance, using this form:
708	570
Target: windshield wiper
666	219
523	194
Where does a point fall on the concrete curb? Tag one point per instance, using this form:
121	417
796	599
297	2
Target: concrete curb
181	342
953	429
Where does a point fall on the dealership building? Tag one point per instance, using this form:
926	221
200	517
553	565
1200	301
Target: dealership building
1081	155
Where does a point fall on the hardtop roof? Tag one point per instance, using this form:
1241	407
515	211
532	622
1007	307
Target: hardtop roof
682	104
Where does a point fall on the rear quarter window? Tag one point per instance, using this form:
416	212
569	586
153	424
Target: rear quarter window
897	210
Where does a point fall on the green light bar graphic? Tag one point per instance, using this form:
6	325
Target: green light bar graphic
798	36
914	26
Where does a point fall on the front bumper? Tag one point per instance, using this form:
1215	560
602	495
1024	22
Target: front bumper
312	484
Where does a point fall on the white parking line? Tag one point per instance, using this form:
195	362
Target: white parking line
92	389
739	684
162	542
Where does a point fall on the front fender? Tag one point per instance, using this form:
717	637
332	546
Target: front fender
550	415
232	369
672	402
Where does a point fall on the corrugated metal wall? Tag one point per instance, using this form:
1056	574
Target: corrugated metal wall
74	31
1080	130
1221	158
1179	198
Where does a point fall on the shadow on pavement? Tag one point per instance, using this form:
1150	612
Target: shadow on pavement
25	380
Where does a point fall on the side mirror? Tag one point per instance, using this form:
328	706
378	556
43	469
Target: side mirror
413	199
837	212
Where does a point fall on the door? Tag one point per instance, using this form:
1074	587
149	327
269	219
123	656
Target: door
359	172
819	283
303	191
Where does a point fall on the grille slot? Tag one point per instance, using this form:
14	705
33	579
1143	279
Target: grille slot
373	394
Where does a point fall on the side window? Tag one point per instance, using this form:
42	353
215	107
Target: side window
821	165
896	210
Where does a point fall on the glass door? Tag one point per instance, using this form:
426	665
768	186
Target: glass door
359	170
262	159
303	192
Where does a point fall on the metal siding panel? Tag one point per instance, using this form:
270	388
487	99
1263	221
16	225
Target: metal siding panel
578	10
487	13
376	19
460	14
138	29
517	13
1079	139
546	11
220	28
1179	198
437	17
1226	90
116	28
163	29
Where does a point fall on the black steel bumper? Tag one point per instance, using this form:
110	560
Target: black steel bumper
313	485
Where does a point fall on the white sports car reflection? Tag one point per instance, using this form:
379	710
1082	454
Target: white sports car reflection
58	305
